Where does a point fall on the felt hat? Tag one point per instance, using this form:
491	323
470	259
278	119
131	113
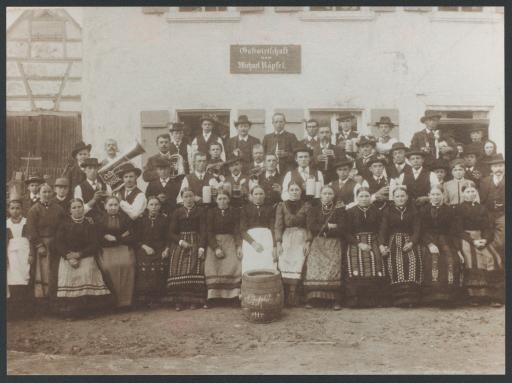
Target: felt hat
160	162
377	159
62	181
475	149
231	161
439	164
243	119
364	140
176	126
207	117
397	146
34	178
496	159
346	116
416	152
477	128
15	196
90	162
345	161
457	161
80	146
127	168
385	120
430	114
302	148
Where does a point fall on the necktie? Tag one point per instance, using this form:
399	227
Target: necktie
458	192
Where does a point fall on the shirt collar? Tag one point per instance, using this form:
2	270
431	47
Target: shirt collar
206	136
165	180
33	196
92	183
497	180
268	174
417	171
244	139
199	175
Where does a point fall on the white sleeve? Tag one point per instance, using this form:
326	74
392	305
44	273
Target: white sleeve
286	182
433	179
78	194
320	177
184	185
223	154
136	208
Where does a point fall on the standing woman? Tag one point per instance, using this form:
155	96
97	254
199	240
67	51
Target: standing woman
366	280
187	236
42	222
441	264
293	240
81	287
257	229
117	258
323	263
223	267
399	235
490	150
484	279
151	252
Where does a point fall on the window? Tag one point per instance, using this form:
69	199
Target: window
461	9
456	123
334	8
203	9
329	118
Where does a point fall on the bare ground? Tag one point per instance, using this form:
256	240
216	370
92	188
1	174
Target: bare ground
220	341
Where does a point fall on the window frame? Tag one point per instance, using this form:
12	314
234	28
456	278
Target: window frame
231	14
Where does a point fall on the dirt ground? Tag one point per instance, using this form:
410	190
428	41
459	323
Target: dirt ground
220	341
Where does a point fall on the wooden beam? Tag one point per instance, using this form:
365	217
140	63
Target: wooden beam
43	97
45	60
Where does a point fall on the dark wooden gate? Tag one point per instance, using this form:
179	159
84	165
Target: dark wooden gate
50	137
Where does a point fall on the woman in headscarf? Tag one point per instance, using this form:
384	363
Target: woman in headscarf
293	240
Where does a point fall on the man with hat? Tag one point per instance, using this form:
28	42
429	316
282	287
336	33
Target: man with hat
132	199
366	145
474	171
311	139
62	195
203	140
476	136
92	190
418	179
197	179
178	145
281	143
384	140
325	154
302	173
492	196
270	180
242	144
377	182
397	165
163	143
238	182
344	186
427	140
74	171
32	182
165	188
345	130
441	168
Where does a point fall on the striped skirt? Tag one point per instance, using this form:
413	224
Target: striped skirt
186	281
223	275
442	272
484	276
405	271
366	280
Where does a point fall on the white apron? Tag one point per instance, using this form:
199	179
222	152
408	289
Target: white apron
18	251
253	260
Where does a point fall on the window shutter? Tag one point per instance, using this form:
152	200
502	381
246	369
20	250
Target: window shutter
250	9
376	114
154	118
154	10
418	9
288	9
257	117
383	9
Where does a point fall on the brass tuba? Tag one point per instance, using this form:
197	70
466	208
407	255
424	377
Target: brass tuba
109	173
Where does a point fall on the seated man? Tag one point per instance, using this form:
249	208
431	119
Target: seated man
344	186
302	174
165	188
238	182
419	180
377	182
132	199
270	180
197	179
215	152
366	150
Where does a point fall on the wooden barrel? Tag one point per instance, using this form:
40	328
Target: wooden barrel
262	295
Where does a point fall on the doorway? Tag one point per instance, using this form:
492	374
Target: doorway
190	119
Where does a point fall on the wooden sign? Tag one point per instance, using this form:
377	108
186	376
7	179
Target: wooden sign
265	59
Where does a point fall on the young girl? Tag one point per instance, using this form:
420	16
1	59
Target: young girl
151	252
323	263
441	263
117	258
399	235
484	280
19	257
257	228
187	242
293	240
452	189
81	288
223	267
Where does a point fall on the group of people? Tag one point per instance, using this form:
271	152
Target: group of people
353	220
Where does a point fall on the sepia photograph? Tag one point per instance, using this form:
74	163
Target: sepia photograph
255	190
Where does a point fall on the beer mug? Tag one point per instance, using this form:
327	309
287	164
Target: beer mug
237	191
207	194
310	186
348	145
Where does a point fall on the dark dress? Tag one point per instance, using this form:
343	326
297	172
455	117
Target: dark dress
322	279
186	281
150	274
366	279
398	226
484	277
80	289
442	271
223	275
117	258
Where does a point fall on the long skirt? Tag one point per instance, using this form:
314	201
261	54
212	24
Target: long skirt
150	275
223	275
484	276
405	271
253	260
117	264
82	288
366	280
291	261
45	270
185	281
442	272
323	270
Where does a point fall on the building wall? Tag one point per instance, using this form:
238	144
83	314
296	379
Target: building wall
410	61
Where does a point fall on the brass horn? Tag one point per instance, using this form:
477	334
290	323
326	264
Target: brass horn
109	173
